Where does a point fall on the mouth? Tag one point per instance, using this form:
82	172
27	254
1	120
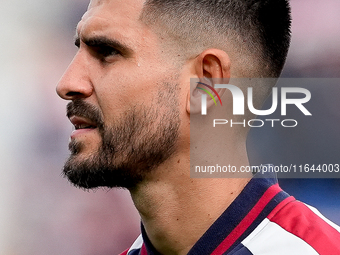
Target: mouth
81	125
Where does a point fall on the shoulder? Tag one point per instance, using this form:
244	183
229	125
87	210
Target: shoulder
136	248
295	228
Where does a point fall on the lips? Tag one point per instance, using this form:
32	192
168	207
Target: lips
81	125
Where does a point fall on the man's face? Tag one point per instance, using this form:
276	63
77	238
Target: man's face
125	105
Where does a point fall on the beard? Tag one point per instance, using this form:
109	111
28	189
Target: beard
132	148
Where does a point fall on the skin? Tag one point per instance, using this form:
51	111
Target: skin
175	209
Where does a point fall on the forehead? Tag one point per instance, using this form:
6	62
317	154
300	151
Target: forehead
123	7
113	18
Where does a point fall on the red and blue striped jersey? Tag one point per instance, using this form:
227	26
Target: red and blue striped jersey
262	220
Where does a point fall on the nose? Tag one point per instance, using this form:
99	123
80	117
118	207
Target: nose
75	82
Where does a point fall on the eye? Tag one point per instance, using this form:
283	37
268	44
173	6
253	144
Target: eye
106	51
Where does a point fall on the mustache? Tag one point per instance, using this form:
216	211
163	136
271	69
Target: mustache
79	107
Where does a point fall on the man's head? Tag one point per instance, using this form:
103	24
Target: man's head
129	82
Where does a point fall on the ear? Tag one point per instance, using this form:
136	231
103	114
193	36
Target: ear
211	67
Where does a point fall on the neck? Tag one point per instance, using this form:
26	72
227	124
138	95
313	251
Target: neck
177	210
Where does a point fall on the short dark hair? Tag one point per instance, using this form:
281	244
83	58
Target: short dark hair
255	33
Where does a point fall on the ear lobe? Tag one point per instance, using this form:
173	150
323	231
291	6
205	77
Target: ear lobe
197	90
204	87
193	98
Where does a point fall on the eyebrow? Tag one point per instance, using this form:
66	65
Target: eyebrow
102	41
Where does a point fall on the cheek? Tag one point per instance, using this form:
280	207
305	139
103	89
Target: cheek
115	95
127	84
